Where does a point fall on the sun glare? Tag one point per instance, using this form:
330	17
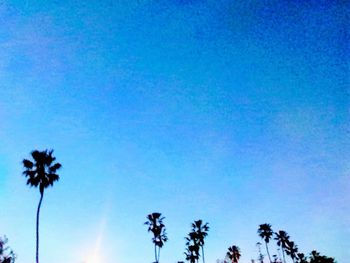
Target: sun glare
93	260
95	256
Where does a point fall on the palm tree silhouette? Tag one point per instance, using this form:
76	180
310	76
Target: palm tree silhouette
233	253
292	250
156	226
192	252
282	240
199	232
265	232
192	249
42	173
316	257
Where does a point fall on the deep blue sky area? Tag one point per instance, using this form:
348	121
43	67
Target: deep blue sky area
235	112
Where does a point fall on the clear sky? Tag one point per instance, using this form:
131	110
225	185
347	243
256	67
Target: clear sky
235	112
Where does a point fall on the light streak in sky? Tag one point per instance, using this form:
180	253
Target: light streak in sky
96	255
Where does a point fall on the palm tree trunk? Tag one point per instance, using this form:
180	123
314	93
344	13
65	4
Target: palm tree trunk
203	254
37	228
284	259
267	250
158	254
155	253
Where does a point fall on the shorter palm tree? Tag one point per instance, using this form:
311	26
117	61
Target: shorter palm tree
292	250
199	233
266	233
192	253
234	253
192	247
156	226
282	239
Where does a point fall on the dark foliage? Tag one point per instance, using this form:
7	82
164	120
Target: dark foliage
6	254
234	253
156	226
41	172
266	233
316	257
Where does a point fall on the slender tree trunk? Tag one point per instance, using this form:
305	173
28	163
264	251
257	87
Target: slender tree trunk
203	254
284	259
268	253
158	254
37	228
155	253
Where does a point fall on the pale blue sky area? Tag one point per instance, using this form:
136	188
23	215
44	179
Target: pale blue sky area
235	112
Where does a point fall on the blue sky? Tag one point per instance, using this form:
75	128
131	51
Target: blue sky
235	112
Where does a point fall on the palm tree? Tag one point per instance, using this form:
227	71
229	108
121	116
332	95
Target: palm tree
192	249
265	232
192	253
292	250
282	240
156	226
200	231
41	172
233	254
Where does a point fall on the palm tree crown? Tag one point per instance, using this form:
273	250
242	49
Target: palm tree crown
282	238
156	226
265	232
292	250
282	241
234	253
200	230
41	172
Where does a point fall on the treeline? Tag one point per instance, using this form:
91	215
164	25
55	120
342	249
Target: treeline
288	248
41	172
194	246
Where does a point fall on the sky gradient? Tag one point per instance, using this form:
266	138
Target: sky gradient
234	112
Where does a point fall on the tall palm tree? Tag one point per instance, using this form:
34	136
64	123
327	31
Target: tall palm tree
200	231
41	172
234	253
282	240
156	226
266	233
